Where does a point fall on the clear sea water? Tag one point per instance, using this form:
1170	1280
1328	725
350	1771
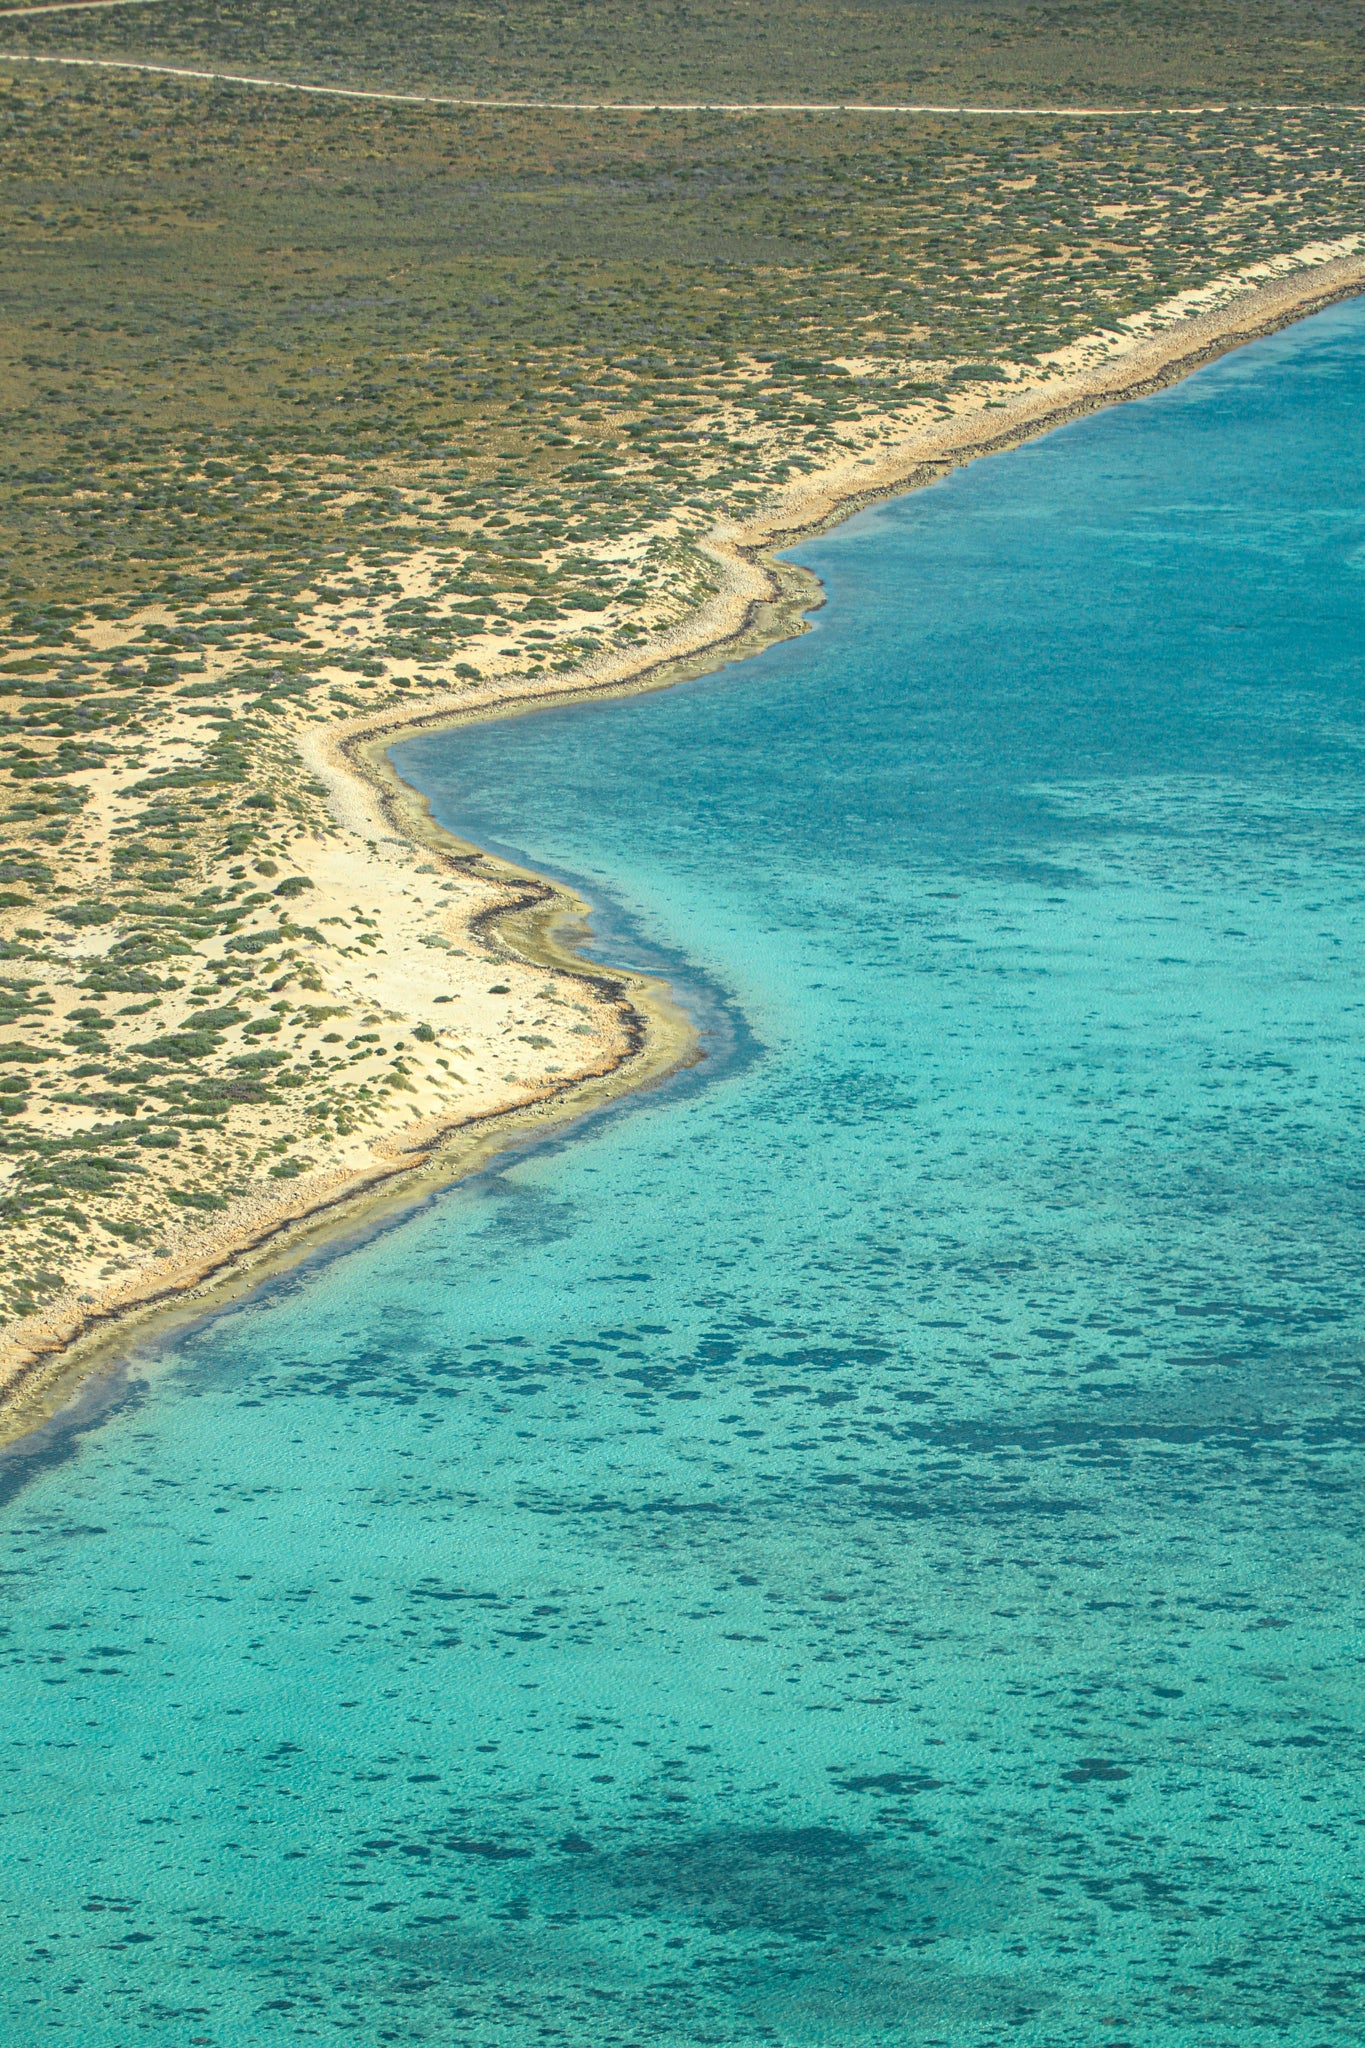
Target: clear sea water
864	1545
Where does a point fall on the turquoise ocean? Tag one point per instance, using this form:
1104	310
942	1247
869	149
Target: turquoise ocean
862	1545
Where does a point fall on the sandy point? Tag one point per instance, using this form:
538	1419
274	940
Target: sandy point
491	913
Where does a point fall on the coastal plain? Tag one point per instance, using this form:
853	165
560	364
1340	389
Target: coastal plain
332	419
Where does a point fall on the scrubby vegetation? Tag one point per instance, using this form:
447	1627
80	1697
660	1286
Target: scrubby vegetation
316	405
1068	50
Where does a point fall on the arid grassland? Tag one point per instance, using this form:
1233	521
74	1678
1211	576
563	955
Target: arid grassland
319	412
1146	51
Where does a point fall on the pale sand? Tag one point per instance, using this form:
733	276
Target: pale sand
524	924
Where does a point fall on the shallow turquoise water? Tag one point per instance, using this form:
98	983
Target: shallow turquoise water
863	1547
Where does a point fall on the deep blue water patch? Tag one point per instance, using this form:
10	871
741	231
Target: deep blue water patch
864	1548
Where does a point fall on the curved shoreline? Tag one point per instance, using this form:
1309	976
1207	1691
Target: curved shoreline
760	599
660	1041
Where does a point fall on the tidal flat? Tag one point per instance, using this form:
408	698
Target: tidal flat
860	1546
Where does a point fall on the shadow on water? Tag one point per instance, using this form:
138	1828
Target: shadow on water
761	1923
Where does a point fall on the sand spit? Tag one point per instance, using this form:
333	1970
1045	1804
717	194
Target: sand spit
491	916
599	1031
